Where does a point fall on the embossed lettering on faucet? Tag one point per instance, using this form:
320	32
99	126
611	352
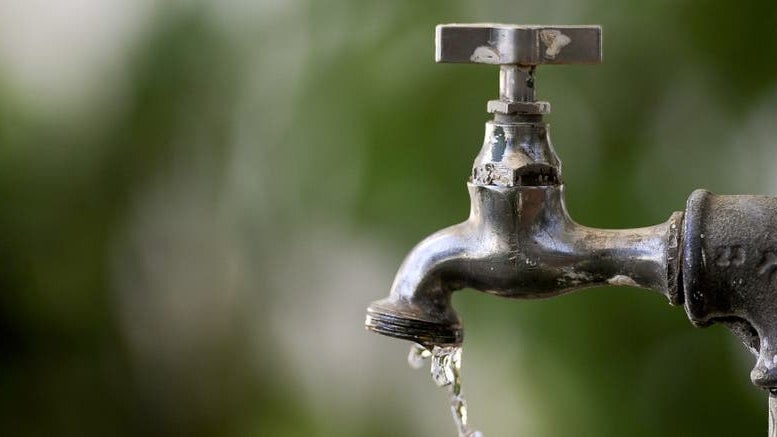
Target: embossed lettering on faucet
730	255
554	40
769	265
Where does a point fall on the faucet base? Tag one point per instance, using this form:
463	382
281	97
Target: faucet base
400	324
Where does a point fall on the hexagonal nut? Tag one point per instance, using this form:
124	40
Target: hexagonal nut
504	176
503	107
494	174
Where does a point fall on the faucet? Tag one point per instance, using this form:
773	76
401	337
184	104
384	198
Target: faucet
718	258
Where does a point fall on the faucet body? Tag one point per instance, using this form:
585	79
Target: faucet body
718	258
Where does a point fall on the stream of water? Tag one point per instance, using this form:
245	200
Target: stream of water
446	372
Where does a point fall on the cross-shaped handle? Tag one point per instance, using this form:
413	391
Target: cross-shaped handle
518	49
525	45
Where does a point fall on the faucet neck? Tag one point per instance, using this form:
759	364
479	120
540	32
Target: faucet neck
516	83
516	152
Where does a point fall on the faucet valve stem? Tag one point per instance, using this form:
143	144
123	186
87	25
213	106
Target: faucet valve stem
516	83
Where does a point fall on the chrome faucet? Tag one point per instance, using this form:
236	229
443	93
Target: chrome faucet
718	258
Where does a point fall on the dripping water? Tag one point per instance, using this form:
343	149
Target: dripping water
446	372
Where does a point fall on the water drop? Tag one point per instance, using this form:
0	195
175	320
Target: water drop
446	372
446	362
418	354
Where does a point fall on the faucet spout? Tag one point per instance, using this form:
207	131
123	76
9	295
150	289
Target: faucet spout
419	305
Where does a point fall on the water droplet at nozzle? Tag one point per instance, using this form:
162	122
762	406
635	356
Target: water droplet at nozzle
446	363
417	356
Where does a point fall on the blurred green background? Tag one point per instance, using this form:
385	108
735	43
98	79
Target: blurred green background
198	199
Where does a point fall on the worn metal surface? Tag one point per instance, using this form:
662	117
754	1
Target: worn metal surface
730	271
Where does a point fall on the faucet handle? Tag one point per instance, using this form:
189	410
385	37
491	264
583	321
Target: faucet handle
517	49
524	45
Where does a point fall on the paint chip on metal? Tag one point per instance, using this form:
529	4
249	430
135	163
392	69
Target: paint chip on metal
554	40
485	55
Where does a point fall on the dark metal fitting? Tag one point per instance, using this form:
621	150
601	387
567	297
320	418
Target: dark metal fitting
730	271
